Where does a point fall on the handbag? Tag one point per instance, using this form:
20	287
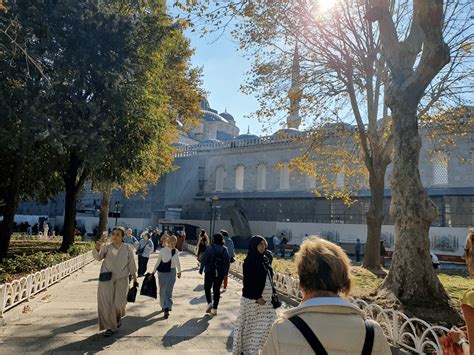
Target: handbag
132	293
166	267
149	286
105	276
141	250
276	303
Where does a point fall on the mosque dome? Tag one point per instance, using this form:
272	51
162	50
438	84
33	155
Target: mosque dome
246	136
212	116
286	132
205	104
227	116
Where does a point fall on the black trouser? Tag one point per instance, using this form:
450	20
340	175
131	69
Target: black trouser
211	281
142	264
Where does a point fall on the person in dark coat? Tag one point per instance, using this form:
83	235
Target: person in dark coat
256	313
215	264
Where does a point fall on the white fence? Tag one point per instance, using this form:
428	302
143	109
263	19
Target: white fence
17	291
412	334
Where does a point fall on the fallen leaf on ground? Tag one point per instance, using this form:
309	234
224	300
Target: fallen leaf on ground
27	309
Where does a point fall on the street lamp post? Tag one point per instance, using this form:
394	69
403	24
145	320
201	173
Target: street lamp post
211	201
117	212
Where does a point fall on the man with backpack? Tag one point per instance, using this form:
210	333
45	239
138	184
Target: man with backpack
215	265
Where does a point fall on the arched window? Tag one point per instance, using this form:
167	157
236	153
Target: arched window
239	178
440	169
220	174
284	177
340	180
261	177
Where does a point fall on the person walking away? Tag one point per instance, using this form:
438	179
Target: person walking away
358	248
256	313
276	242
181	240
155	238
324	275
469	252
231	251
168	267
145	248
202	244
283	243
130	239
117	263
215	264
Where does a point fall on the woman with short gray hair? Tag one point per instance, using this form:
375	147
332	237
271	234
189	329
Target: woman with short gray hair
325	322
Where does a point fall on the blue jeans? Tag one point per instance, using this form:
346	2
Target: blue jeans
166	281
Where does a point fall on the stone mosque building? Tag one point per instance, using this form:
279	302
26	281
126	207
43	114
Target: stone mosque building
228	180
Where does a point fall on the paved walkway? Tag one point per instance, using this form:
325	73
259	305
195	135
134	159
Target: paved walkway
64	319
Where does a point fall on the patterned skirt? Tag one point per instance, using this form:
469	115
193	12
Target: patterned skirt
253	324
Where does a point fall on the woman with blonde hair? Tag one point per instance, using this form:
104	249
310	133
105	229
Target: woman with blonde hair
469	252
118	263
168	267
325	322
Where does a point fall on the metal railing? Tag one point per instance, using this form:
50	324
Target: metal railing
15	292
412	334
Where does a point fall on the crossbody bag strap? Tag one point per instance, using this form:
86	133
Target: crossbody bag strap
309	335
369	338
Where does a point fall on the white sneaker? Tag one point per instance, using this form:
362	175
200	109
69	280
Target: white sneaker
214	311
209	308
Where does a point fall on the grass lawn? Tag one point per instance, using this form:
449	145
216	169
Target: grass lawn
28	256
364	284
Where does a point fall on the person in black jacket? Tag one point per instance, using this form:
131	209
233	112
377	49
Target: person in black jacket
256	314
215	264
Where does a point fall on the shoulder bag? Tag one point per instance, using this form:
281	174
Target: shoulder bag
316	345
166	267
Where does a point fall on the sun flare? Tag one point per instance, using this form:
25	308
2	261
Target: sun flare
326	5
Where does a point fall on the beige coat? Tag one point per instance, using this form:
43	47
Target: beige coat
337	323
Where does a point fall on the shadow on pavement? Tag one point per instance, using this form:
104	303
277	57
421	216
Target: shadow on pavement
198	300
98	342
199	288
186	331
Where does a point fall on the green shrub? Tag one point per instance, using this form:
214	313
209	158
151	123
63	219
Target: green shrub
78	249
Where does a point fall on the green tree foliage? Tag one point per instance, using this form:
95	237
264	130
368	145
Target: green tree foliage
117	82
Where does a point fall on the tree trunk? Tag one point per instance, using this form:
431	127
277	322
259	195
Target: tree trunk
69	226
375	217
104	212
73	184
9	209
411	278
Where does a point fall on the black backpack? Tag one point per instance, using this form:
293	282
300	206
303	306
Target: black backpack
219	263
166	267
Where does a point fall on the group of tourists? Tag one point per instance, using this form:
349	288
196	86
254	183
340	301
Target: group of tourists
119	268
324	322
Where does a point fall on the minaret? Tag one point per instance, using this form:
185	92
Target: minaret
294	119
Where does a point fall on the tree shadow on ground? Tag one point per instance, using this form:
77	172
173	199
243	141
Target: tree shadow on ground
186	331
92	280
199	288
191	269
98	342
198	300
230	342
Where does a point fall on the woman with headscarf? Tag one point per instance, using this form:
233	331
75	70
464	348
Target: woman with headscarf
118	263
256	314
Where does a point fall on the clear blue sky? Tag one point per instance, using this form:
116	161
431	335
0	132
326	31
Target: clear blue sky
224	70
